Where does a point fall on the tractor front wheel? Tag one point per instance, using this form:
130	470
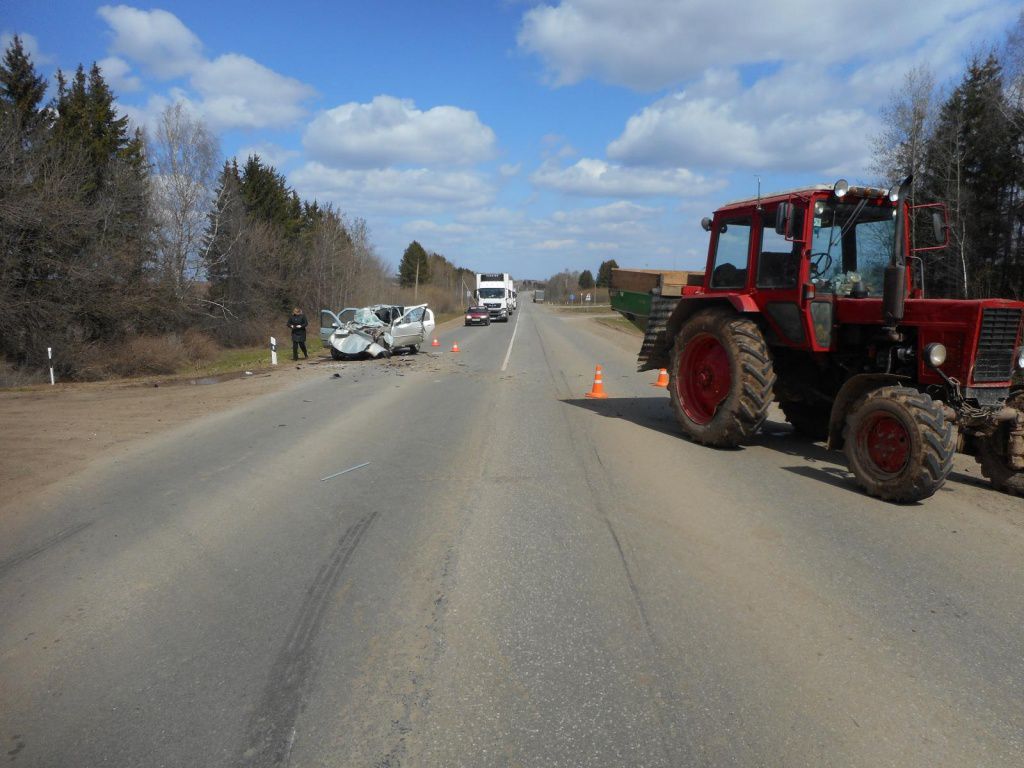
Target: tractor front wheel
898	444
992	455
720	378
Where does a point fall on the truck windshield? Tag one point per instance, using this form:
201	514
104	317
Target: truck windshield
492	293
851	239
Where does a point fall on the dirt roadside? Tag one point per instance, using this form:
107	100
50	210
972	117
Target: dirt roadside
51	432
48	433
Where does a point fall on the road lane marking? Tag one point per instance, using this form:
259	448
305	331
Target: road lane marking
357	466
510	343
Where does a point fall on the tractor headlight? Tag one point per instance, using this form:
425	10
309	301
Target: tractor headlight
840	188
1019	361
935	354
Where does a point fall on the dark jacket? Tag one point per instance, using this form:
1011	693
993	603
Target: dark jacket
298	325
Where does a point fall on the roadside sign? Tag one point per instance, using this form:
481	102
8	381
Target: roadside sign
572	297
587	297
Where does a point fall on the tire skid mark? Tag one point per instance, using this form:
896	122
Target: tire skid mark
67	533
270	733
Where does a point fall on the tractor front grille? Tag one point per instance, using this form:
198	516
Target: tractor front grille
996	344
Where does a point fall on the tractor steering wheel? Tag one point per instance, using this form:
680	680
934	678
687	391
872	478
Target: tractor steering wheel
820	263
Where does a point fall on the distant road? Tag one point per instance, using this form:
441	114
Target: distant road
499	572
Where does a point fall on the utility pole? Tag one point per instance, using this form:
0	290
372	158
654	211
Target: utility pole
416	288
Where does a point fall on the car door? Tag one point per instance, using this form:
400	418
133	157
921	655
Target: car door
328	322
408	329
428	322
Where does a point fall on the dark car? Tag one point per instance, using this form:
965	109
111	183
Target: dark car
478	316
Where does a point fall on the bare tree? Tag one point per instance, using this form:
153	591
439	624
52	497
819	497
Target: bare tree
184	154
909	120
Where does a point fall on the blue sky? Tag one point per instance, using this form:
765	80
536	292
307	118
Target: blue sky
520	136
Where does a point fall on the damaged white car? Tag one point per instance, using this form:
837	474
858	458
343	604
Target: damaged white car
376	331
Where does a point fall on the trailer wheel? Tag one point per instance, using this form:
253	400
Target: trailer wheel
720	378
898	444
808	420
991	454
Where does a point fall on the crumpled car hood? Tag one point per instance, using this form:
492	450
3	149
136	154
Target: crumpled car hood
354	339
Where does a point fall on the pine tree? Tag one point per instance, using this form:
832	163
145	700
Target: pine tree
973	163
586	280
266	194
21	88
222	228
604	273
415	265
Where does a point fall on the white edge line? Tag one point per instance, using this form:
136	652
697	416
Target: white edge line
357	466
511	341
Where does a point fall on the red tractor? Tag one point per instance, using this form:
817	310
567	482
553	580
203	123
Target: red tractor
814	298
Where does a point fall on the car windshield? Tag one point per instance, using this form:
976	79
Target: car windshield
851	241
491	293
366	316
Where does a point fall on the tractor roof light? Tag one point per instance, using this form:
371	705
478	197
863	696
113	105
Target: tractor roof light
840	188
935	355
1019	361
894	192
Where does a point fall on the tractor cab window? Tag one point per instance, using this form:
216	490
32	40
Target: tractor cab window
778	261
732	251
851	243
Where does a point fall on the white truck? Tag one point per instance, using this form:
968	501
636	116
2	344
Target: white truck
494	291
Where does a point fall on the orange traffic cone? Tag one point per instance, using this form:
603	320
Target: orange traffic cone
435	343
662	379
598	389
455	347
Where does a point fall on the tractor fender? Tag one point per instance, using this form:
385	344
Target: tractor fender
849	394
690	305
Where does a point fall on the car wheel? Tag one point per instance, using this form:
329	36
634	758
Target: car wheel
336	355
413	349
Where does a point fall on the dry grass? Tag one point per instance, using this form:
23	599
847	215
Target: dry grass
144	356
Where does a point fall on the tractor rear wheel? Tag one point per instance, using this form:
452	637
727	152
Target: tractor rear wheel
808	420
898	444
991	454
720	378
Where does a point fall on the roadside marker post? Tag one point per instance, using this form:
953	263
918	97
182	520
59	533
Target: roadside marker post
49	355
273	351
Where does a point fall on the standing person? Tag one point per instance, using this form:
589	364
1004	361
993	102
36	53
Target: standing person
297	322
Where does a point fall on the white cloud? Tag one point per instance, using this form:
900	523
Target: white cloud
649	44
230	91
508	170
410	191
392	131
757	129
554	245
238	92
118	74
597	178
622	210
427	226
491	216
156	39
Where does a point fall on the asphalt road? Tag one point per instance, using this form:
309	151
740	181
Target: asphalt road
518	577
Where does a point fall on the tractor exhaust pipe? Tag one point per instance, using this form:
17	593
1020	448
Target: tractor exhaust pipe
895	285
